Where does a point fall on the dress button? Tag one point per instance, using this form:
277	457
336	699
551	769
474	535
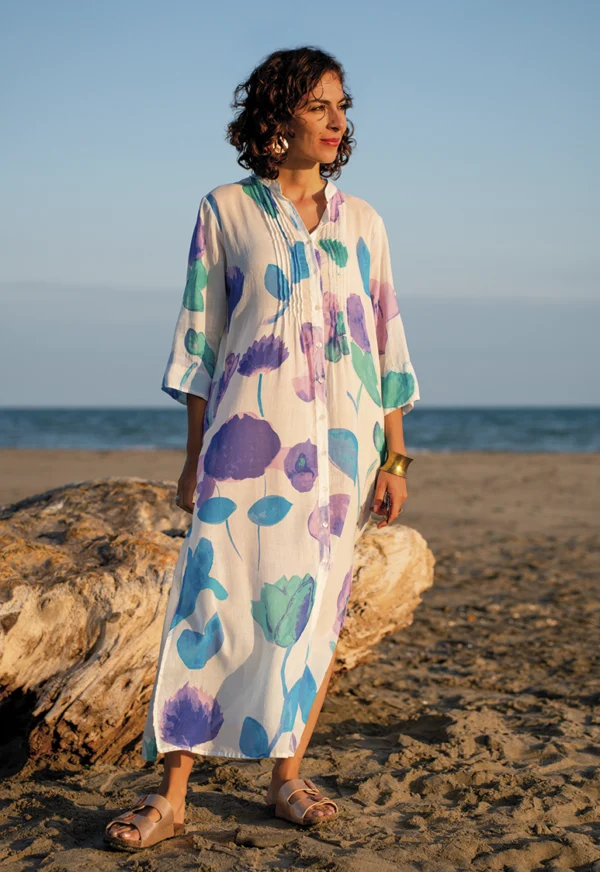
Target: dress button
319	344
325	524
317	307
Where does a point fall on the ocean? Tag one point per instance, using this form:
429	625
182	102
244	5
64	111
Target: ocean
426	429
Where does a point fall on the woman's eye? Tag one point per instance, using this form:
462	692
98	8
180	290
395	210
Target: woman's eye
344	106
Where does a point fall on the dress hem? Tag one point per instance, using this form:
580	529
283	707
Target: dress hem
222	753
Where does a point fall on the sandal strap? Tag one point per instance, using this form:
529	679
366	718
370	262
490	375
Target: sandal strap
295	785
289	788
324	799
142	823
162	805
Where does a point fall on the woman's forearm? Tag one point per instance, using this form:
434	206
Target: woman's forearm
195	419
394	431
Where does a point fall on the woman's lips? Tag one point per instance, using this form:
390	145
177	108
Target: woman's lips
331	141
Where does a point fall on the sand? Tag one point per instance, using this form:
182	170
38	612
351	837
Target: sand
472	743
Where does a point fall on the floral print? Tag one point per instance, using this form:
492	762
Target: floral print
294	338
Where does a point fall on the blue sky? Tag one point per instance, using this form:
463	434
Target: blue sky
477	131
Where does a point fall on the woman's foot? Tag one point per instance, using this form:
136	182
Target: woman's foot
302	798
129	832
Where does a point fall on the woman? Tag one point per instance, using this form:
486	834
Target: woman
290	354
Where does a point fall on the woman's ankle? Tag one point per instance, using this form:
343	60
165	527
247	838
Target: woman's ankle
285	773
174	793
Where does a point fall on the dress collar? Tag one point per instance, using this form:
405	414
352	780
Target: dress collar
275	185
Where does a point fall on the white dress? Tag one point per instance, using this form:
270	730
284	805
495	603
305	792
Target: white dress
296	341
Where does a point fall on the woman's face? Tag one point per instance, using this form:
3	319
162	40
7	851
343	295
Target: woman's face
322	117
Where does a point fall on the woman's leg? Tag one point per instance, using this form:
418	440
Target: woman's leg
177	768
286	768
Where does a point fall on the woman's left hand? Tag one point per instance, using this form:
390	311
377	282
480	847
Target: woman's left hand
395	485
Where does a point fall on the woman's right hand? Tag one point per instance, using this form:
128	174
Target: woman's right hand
186	486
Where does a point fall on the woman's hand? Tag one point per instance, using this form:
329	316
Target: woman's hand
186	486
395	485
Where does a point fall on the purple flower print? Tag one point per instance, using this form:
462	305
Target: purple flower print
300	465
243	447
334	514
265	354
334	205
342	603
204	489
338	508
316	529
385	306
198	243
234	285
307	386
190	717
356	320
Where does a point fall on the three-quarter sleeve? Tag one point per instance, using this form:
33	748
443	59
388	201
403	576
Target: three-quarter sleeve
203	314
399	386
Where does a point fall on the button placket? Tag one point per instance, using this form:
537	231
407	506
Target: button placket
320	410
320	403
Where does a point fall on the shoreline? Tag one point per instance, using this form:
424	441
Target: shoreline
452	496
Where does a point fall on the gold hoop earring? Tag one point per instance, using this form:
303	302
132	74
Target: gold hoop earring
281	146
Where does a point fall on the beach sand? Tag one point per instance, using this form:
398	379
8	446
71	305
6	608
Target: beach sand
472	743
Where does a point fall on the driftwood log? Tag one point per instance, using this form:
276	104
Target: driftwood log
85	572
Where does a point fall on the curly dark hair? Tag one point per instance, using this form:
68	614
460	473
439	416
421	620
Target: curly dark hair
268	99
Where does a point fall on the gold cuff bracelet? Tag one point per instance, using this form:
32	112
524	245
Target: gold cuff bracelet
396	463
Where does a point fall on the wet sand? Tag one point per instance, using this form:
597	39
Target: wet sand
473	742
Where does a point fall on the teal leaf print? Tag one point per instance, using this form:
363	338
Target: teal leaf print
196	578
308	692
209	359
196	649
269	510
336	250
197	278
343	450
379	440
364	263
194	342
215	207
284	608
365	370
276	283
397	389
262	197
302	694
187	374
299	263
290	707
215	510
254	741
149	749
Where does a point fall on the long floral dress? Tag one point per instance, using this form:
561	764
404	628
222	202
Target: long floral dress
297	344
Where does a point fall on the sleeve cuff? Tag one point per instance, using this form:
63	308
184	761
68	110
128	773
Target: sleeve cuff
179	381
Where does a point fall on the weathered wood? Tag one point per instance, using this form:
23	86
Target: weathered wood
85	572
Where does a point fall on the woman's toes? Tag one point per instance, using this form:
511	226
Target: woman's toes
123	832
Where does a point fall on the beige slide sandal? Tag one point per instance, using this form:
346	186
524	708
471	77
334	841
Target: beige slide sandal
296	811
150	832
